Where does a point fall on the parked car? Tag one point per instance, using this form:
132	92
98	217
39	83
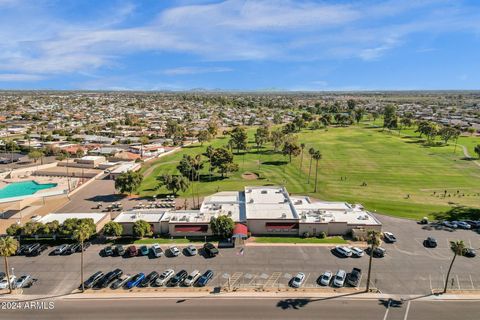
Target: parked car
164	277
108	251
119	250
357	252
191	250
204	278
39	250
192	277
4	282
2	275
174	251
339	279
473	224
143	250
85	246
156	250
108	278
325	278
297	281
430	242
354	277
135	280
28	250
378	252
462	225
24	281
178	278
74	248
210	250
132	251
149	279
61	249
120	282
469	252
343	251
90	282
389	237
450	224
21	249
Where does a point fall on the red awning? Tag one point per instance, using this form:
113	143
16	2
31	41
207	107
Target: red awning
281	225
240	229
191	228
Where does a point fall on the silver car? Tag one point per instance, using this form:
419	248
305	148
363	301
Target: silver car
326	278
297	281
164	277
174	251
192	251
339	279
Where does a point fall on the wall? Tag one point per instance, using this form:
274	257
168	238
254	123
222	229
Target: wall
257	227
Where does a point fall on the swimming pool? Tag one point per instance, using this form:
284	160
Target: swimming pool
25	188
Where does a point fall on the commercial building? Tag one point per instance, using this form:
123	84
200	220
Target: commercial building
263	210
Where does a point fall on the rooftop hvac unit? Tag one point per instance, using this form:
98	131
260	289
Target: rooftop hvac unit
230	213
264	191
284	215
251	201
174	218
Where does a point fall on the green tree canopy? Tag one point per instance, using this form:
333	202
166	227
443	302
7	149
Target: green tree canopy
142	228
239	138
128	182
173	183
222	226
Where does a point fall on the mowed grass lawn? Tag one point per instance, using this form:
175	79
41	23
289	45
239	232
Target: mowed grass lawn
403	178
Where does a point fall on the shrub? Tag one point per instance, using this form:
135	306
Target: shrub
322	235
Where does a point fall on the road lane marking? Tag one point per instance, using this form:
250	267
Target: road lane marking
408	309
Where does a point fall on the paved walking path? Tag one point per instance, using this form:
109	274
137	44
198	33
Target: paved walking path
467	155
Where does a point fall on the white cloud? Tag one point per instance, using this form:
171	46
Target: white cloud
11	77
225	31
195	70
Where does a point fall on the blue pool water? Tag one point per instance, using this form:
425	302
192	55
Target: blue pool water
25	188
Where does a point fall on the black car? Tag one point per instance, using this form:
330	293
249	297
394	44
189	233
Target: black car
119	250
23	249
354	277
85	246
149	279
210	250
469	253
378	252
38	250
74	248
93	280
108	278
203	280
430	242
108	251
178	278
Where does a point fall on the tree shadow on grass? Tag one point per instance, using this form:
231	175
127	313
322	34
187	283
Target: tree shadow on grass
468	159
212	178
275	163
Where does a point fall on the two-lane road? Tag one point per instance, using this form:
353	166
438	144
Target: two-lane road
261	308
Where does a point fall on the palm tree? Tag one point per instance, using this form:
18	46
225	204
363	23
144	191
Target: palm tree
81	234
311	151
302	147
374	240
317	156
458	247
8	247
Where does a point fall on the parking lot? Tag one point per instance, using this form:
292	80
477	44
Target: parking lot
407	268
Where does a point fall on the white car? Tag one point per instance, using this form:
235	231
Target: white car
326	278
156	250
174	251
24	281
192	277
357	252
298	280
4	282
339	279
344	251
164	277
192	251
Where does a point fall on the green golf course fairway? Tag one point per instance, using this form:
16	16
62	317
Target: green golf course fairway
403	177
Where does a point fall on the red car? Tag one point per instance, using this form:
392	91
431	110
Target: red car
132	251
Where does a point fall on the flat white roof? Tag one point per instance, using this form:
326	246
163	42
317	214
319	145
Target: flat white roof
268	203
61	217
92	158
135	215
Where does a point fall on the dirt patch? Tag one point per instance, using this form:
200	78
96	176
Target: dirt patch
249	176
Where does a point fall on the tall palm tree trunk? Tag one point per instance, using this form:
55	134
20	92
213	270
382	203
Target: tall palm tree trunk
316	176
448	273
81	267
8	274
369	268
301	161
309	170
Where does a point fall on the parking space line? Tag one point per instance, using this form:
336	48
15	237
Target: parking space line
253	279
430	278
458	282
408	309
272	279
306	279
471	281
386	311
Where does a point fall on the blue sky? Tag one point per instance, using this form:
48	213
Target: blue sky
240	45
